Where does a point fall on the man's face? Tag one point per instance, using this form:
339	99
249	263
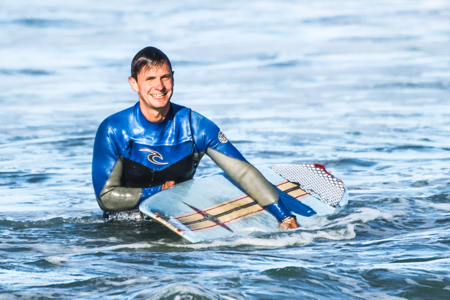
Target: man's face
154	85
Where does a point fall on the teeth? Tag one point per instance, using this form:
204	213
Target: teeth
158	95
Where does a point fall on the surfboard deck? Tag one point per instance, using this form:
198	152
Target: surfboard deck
213	207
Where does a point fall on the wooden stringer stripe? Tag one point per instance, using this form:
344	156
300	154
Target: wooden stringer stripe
293	189
296	187
237	208
246	215
224	213
213	207
224	217
233	210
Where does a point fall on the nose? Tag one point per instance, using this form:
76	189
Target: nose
159	85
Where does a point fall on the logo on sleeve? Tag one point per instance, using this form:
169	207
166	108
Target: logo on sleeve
153	154
222	138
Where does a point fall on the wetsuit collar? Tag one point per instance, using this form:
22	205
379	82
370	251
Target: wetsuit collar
147	125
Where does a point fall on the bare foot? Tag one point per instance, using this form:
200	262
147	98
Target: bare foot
289	223
167	185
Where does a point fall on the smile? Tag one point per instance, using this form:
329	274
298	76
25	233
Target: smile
158	95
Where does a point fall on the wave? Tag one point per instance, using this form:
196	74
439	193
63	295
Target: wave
48	223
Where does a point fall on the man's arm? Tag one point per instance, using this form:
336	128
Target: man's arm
107	170
243	173
230	160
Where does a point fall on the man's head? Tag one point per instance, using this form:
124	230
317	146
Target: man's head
152	78
147	58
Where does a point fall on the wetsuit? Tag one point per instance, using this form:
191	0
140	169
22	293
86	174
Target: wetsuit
133	158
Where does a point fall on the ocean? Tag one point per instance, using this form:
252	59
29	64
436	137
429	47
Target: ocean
362	87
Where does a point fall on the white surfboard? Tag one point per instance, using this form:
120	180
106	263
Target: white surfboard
213	207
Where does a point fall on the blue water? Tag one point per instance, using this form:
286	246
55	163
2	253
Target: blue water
362	87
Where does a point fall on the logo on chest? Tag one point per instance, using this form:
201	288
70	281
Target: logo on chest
153	154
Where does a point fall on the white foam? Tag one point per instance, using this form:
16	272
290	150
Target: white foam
131	281
356	284
179	291
441	206
64	251
58	260
27	279
314	281
364	215
412	282
370	295
8	297
280	240
275	242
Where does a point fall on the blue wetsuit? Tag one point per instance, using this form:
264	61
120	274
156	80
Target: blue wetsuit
134	157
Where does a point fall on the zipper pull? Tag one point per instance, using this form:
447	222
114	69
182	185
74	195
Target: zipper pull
130	146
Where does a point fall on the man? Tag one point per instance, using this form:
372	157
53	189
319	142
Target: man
155	144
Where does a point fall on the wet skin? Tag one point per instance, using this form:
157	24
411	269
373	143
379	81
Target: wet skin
154	86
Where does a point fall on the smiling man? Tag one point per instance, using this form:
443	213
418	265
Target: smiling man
156	144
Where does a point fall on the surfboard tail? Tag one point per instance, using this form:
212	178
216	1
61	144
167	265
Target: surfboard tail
314	180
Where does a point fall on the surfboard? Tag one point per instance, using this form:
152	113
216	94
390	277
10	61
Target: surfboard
213	207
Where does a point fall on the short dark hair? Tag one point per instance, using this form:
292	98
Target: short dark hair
147	57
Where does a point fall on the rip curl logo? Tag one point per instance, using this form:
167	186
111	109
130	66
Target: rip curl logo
153	154
222	138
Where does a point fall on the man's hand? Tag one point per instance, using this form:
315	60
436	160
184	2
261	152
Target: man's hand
289	223
167	185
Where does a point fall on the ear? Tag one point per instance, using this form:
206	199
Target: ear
133	84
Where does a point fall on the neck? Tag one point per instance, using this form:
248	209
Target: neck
154	115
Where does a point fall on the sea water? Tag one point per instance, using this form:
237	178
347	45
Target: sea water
360	86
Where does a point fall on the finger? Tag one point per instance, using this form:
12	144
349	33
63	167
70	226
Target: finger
168	184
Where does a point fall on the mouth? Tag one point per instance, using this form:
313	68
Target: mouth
158	95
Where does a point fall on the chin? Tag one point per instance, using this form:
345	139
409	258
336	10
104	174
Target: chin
159	104
163	104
